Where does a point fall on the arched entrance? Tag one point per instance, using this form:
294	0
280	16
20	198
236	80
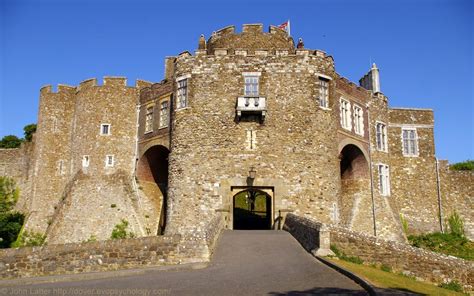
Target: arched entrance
152	174
356	202
252	209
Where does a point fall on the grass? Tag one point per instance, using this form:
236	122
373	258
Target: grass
445	243
388	280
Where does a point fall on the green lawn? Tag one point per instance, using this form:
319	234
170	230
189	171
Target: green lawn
446	243
388	280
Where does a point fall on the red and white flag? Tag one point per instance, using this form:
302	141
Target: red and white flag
285	26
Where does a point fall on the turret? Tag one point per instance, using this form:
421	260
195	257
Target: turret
371	80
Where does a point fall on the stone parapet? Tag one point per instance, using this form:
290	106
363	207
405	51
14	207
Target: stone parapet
422	264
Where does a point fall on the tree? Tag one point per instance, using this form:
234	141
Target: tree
10	222
29	130
10	141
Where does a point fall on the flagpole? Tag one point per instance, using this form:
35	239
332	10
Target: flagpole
289	34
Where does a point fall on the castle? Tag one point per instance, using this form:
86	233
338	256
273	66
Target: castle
249	128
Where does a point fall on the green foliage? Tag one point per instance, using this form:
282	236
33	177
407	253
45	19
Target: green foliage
9	194
92	238
404	223
386	268
29	130
446	243
120	231
456	225
10	226
467	165
10	141
341	255
29	239
452	285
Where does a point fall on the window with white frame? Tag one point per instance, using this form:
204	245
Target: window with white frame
149	119
251	85
358	120
381	136
323	92
61	170
109	161
346	114
105	129
384	180
410	142
164	114
85	161
182	94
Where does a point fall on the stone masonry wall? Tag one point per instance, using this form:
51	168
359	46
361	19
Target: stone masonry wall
424	265
457	194
413	178
295	154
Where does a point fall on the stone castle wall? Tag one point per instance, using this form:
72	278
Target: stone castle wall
411	261
457	195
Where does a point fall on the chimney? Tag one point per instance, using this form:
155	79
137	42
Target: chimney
371	80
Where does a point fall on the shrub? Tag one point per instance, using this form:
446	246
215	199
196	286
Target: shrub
10	226
29	239
10	141
467	165
452	285
120	231
9	194
446	243
456	225
386	268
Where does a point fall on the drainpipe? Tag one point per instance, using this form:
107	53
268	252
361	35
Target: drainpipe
371	173
438	188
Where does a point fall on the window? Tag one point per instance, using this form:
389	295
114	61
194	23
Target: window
358	120
164	114
410	142
85	161
55	125
323	92
346	114
182	93
149	119
251	85
105	129
109	161
384	180
61	169
381	136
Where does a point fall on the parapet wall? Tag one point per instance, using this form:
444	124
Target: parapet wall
424	265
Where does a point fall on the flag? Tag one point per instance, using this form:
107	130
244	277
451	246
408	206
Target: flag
285	26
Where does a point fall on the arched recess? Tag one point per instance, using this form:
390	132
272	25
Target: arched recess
252	209
152	174
356	200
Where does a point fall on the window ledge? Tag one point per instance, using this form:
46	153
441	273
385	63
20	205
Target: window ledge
411	155
148	132
184	108
162	127
325	108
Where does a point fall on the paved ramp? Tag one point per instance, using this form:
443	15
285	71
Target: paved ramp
245	263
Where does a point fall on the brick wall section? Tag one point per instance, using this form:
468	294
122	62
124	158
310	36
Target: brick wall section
424	265
457	194
413	178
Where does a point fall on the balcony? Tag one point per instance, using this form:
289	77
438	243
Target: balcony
251	106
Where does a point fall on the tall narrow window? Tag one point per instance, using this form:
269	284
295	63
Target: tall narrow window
85	161
164	114
381	136
182	93
346	114
323	92
251	86
109	161
149	119
410	142
61	169
105	129
384	180
358	120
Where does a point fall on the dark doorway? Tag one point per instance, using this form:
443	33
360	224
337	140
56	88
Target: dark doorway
252	210
153	167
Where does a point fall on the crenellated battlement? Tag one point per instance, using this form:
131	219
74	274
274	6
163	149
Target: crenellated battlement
61	88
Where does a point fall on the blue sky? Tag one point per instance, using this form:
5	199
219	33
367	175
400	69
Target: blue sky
424	49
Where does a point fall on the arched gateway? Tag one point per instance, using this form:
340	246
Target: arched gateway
252	209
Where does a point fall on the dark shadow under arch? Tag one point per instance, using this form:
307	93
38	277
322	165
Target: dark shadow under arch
252	209
153	167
